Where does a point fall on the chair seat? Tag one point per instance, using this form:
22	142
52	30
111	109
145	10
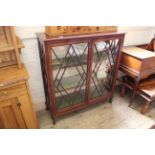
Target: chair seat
149	91
146	86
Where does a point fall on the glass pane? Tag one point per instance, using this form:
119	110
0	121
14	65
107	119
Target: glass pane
103	67
69	68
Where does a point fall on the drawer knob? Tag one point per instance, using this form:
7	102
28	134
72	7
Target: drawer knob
19	104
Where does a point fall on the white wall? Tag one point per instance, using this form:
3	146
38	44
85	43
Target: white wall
30	54
138	34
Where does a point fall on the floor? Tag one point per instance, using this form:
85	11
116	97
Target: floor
103	116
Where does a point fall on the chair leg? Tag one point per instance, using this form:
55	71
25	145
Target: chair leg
122	93
145	107
132	97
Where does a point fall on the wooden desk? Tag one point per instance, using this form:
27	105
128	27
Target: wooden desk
138	64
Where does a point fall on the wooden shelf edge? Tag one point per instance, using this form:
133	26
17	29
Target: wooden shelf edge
11	46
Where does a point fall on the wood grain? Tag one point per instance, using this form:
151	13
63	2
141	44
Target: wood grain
11	115
16	109
137	62
10	46
74	30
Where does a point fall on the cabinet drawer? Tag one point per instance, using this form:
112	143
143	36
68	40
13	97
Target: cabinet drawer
12	92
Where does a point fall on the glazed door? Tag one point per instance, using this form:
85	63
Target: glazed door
69	72
103	67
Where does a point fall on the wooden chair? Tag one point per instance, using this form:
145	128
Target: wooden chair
145	89
151	45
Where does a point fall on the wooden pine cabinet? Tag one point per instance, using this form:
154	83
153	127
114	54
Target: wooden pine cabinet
16	109
79	70
10	47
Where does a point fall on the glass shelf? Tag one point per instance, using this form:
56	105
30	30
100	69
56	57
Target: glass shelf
76	56
68	83
71	99
69	61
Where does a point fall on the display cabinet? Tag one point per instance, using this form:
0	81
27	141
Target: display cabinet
79	70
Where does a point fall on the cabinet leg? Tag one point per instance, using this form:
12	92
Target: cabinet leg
46	105
47	108
145	107
123	91
111	99
54	120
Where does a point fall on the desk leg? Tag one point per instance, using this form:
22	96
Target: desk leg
145	107
133	94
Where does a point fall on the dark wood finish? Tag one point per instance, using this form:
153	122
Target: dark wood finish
137	63
90	62
144	46
150	46
152	127
145	89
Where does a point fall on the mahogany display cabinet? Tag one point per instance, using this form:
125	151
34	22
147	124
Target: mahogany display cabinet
80	70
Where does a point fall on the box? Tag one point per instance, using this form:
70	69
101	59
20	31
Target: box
73	30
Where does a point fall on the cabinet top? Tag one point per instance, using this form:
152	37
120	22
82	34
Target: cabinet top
42	37
11	75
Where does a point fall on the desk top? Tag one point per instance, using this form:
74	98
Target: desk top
42	37
138	53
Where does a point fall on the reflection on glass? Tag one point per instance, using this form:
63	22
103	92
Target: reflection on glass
104	58
70	67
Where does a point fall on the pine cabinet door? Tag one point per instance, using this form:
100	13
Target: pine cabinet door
27	111
11	115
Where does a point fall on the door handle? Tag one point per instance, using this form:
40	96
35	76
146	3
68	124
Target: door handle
19	104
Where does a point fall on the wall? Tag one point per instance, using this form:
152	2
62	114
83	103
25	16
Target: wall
138	34
30	55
